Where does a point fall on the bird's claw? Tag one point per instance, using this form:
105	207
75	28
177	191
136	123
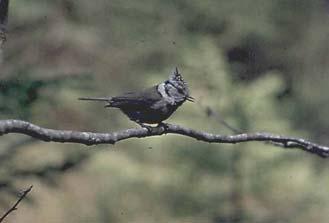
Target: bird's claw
149	128
163	125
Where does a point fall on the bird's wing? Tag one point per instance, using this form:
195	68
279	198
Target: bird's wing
141	99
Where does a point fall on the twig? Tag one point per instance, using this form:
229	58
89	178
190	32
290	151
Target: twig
210	112
91	138
14	207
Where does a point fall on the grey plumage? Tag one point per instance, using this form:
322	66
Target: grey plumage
154	104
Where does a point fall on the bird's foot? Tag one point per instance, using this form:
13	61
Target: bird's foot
149	128
163	125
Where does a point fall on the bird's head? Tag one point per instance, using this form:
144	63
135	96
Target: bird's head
177	87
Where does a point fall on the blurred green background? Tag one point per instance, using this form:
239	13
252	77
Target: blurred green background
260	65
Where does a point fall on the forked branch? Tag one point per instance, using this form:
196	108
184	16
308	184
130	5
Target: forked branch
91	138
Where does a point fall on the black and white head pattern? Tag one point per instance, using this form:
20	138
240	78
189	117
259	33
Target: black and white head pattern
175	89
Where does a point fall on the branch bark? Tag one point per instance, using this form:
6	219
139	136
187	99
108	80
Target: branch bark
91	138
14	207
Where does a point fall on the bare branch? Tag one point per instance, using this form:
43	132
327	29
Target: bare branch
91	138
14	207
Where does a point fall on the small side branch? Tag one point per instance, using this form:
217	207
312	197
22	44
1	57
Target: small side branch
91	138
14	207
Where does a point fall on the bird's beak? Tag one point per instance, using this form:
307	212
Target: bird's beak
189	98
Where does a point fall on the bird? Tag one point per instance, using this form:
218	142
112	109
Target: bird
152	105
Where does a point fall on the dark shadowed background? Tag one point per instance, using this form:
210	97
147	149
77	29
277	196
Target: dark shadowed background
260	65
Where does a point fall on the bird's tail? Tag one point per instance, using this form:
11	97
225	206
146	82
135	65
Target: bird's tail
94	99
107	100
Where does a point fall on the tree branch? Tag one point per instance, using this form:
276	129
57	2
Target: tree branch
14	207
90	138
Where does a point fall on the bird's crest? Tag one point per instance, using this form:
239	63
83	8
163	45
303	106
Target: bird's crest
175	75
